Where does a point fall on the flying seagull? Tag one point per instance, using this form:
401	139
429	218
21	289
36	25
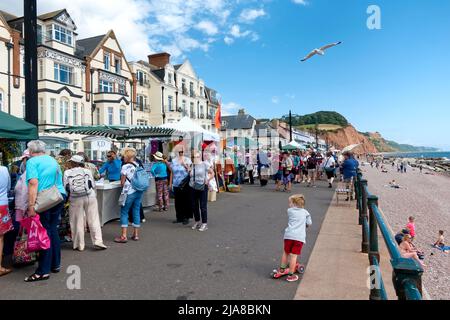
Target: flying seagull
320	51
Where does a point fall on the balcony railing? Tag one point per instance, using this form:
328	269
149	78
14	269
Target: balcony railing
407	274
142	107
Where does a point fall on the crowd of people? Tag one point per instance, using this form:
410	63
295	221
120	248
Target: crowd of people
308	167
62	192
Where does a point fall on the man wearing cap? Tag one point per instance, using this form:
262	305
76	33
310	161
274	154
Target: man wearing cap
112	166
80	184
159	171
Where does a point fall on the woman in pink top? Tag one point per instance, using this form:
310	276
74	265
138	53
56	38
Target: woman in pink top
411	226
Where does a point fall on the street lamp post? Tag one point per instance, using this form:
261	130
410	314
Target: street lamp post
31	89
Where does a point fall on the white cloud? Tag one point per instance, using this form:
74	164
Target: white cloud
207	27
302	2
228	40
148	26
230	108
250	15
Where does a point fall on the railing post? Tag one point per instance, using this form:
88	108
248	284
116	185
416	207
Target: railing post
357	187
373	229
407	276
363	217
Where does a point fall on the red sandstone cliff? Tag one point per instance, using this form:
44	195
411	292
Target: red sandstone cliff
343	137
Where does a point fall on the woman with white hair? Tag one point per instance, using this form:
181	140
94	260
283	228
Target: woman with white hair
44	173
133	197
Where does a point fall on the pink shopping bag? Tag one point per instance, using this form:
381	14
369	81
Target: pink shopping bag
37	235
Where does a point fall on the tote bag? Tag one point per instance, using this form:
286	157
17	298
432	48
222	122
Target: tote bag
21	256
37	235
47	199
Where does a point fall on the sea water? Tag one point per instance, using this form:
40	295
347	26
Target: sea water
441	154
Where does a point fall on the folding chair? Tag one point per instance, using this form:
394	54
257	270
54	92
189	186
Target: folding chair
342	189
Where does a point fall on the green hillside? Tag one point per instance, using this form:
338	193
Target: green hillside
321	117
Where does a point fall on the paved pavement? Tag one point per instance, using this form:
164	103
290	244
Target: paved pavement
232	260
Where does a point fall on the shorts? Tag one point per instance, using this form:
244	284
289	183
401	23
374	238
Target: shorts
294	171
6	224
311	172
278	176
293	246
330	173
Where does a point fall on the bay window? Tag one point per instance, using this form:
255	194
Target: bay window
62	35
63	73
105	86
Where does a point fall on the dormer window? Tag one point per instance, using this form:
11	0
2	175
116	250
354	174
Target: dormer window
62	35
106	61
118	65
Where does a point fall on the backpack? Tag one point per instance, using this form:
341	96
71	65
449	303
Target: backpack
140	180
311	162
79	183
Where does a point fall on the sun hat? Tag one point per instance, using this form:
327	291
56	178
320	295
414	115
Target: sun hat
25	154
158	156
77	159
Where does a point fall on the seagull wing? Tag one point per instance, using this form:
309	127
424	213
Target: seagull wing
312	53
328	46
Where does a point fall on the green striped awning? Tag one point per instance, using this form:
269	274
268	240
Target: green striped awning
117	132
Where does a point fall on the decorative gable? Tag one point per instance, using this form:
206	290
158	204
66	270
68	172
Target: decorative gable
187	69
65	19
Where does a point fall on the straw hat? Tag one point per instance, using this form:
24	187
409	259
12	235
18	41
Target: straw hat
158	156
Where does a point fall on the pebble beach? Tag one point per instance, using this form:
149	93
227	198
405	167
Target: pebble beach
427	198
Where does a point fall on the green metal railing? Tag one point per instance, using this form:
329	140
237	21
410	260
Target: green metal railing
407	273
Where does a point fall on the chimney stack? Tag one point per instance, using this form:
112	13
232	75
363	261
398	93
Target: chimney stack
241	112
159	60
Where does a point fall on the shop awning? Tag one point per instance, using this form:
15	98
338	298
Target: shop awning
117	132
15	128
187	126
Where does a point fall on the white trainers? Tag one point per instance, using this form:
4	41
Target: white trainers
196	225
204	227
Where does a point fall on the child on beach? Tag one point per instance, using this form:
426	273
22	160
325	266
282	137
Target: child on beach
440	243
294	237
411	227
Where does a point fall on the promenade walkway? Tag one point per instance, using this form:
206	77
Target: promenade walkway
337	270
232	260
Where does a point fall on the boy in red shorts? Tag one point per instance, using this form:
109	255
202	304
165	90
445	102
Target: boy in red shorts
294	237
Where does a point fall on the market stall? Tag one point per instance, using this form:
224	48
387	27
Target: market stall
108	192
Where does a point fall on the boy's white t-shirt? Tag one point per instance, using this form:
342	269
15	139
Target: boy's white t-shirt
299	218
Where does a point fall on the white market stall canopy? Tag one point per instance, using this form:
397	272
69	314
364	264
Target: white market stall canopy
187	126
294	145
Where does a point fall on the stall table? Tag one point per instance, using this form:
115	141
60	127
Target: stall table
108	199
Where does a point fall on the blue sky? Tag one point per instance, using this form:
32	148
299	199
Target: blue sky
395	80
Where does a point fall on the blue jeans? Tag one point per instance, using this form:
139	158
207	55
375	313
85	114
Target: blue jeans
50	259
134	202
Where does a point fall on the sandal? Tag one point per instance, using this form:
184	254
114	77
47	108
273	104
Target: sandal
4	272
135	238
35	277
121	240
